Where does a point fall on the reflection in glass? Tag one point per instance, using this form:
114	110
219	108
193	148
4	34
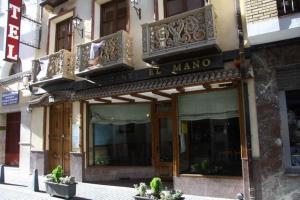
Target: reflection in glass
293	107
165	140
210	147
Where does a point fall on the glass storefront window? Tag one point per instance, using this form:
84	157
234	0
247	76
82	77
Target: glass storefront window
120	135
293	112
209	134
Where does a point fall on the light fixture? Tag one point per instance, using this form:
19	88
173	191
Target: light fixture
138	11
29	109
26	82
154	65
51	99
77	24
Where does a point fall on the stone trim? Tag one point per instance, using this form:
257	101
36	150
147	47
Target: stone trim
14	78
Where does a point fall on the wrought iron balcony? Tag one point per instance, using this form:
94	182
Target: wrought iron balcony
183	33
116	52
53	67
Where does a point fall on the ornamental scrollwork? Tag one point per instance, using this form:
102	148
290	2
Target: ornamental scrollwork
117	48
190	27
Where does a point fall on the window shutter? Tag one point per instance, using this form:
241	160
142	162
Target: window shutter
288	77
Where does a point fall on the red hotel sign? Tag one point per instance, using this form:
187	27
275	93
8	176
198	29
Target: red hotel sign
13	30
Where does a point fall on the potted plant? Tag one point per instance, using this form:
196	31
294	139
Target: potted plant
156	192
58	185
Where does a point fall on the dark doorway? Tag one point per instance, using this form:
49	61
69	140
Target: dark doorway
12	148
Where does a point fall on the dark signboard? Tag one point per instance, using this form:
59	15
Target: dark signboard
169	69
9	98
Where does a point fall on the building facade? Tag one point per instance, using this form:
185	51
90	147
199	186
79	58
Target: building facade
200	93
273	30
130	84
14	87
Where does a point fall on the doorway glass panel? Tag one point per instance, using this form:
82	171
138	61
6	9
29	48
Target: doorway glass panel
165	140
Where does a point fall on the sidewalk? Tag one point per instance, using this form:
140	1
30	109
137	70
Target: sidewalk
17	182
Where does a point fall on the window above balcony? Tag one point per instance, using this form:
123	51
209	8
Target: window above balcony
174	7
114	17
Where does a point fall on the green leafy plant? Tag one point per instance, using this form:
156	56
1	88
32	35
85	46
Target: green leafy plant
156	186
57	173
56	176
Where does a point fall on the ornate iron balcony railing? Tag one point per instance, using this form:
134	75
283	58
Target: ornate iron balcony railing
59	65
186	32
115	52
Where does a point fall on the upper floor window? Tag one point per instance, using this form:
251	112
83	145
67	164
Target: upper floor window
288	6
64	35
174	7
114	16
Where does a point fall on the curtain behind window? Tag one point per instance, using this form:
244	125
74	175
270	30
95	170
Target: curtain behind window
120	114
212	105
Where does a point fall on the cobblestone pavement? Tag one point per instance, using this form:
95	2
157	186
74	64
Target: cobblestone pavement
17	187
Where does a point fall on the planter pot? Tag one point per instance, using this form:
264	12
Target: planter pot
137	197
61	190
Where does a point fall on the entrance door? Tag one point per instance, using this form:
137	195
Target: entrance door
60	136
12	148
163	141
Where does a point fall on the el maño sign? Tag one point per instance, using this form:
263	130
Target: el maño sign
13	30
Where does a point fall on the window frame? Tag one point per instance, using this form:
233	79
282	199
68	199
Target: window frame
90	130
114	4
69	35
284	130
284	12
243	147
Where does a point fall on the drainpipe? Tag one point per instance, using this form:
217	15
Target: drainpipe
245	101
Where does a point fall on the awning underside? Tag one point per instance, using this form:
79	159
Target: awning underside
157	89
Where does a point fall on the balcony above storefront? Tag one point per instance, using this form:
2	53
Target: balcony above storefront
54	67
52	3
185	34
115	52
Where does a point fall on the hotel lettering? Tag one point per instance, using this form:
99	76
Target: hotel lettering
13	30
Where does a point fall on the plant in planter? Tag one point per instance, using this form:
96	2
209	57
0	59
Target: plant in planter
58	185
156	191
156	187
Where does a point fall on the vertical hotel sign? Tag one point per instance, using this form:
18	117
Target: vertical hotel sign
13	30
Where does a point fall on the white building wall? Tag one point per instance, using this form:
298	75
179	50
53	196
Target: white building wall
28	34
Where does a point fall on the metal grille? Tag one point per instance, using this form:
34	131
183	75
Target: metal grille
288	6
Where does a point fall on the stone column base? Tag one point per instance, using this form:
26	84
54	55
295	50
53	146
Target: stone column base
77	166
39	161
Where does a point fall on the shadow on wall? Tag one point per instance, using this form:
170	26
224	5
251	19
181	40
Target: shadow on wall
289	21
1	36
